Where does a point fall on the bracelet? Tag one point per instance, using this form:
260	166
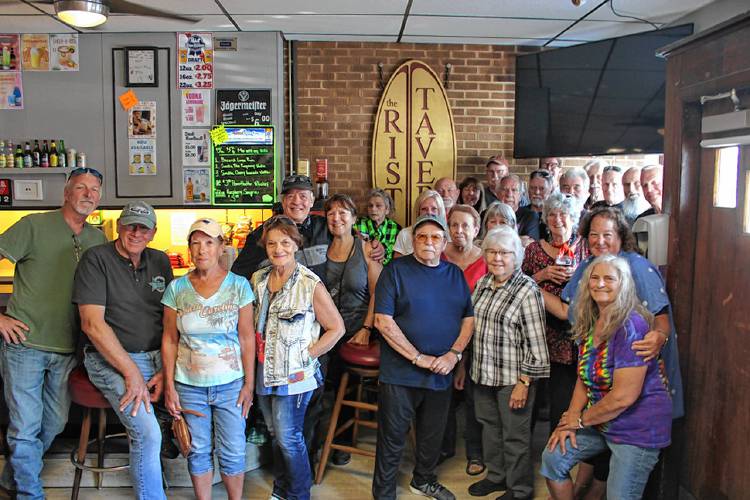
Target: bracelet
666	336
416	359
580	422
368	328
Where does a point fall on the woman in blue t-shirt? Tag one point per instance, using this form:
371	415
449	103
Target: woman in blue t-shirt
620	402
208	350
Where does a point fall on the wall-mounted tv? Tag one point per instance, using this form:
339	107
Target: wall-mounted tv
598	98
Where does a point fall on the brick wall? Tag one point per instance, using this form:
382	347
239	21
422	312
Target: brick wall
339	92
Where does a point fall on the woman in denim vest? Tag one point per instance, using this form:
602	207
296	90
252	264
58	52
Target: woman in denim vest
292	306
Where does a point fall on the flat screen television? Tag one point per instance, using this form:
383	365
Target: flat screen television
598	98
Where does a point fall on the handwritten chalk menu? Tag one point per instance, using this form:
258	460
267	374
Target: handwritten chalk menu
243	169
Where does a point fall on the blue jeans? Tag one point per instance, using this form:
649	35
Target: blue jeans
629	466
37	396
143	429
219	405
285	418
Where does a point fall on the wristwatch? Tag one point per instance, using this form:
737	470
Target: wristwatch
416	358
458	354
527	383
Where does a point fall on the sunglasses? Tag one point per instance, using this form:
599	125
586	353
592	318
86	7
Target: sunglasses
540	173
86	170
610	168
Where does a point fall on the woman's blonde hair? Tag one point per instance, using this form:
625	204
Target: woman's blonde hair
429	193
587	311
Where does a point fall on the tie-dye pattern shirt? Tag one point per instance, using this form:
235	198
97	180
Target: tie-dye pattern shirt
208	352
647	422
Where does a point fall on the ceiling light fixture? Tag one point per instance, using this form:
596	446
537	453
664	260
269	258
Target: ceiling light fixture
82	13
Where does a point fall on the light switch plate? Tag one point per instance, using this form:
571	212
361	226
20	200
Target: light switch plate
27	190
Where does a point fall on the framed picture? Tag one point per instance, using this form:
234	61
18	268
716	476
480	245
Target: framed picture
141	67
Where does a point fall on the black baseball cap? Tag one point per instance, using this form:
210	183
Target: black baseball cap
296	182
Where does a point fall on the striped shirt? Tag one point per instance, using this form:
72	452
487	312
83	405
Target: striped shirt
509	339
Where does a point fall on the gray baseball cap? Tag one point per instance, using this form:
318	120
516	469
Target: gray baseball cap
138	212
430	218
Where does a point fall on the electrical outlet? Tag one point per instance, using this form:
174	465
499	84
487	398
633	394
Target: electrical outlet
27	190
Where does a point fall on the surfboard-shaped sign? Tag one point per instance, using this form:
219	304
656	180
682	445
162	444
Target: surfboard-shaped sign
414	142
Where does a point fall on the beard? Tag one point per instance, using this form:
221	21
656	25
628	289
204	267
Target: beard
633	207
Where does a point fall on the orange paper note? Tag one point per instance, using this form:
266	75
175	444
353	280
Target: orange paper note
128	100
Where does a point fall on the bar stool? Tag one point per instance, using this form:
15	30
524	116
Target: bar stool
363	362
85	394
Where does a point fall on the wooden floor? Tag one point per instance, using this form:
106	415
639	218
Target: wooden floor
340	483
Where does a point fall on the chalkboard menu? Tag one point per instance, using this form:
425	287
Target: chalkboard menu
243	169
243	107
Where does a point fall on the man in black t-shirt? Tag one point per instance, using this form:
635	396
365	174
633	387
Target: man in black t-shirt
118	289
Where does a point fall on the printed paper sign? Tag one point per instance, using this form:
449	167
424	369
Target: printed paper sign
195	182
142	156
11	90
64	52
10	52
195	64
195	147
35	52
196	108
219	135
128	100
142	120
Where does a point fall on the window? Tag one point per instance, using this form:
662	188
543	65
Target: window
725	177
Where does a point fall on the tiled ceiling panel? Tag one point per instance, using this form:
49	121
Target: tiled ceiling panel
484	27
135	24
397	7
326	25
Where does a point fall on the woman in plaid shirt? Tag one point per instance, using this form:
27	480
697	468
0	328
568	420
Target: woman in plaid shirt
509	353
377	225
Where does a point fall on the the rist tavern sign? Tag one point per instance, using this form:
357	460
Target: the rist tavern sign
414	143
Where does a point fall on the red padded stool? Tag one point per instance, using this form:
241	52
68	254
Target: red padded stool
364	362
85	394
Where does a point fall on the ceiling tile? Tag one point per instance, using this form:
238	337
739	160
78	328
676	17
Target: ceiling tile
600	30
326	25
16	8
32	24
650	10
182	6
484	27
479	40
341	38
135	24
534	9
317	7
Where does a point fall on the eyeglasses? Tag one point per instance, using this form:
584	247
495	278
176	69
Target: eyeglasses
77	249
432	238
610	168
86	170
491	253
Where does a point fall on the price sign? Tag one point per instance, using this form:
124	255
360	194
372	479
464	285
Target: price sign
195	64
243	107
6	193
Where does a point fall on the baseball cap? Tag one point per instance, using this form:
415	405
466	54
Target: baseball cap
499	159
208	226
430	218
138	212
296	182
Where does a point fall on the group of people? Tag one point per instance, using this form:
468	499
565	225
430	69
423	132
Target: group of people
478	300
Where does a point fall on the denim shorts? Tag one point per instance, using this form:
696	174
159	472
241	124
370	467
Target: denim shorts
629	466
219	405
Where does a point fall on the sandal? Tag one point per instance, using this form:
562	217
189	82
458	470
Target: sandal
474	467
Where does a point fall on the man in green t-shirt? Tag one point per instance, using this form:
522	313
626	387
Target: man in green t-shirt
39	329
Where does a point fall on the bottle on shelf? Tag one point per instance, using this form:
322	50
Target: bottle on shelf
19	156
28	156
13	60
53	158
44	160
189	190
36	155
322	178
2	154
62	160
10	159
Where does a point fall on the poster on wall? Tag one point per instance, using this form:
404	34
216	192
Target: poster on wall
195	184
142	120
10	52
142	156
195	147
196	108
243	106
195	62
35	52
64	52
11	90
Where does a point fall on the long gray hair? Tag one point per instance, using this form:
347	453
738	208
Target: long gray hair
614	315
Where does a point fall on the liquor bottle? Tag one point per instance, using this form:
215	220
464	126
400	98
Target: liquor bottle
19	156
13	61
10	159
36	155
53	162
2	154
189	190
62	160
44	160
28	156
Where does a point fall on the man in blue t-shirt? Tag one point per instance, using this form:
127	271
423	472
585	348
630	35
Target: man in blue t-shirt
423	310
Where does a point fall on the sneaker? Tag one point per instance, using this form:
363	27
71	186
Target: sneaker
508	495
340	458
432	490
484	487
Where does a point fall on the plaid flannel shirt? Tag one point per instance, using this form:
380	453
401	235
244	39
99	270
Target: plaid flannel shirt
509	339
385	233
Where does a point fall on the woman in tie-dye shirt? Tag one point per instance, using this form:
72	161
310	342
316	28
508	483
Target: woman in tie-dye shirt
620	401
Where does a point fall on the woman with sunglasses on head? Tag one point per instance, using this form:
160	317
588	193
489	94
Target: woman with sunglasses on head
296	322
208	353
429	202
620	402
551	262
